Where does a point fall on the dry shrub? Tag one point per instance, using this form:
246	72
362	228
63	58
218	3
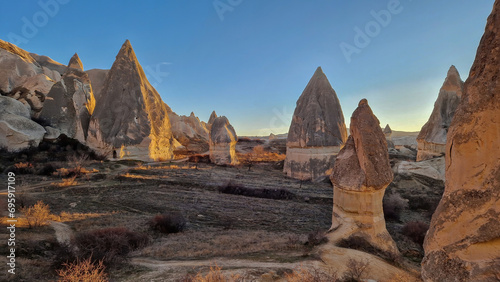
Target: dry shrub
302	274
214	275
168	223
259	154
66	182
23	168
85	270
416	231
110	245
393	205
316	238
355	270
275	194
36	215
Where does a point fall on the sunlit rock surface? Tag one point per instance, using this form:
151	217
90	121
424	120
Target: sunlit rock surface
317	132
463	242
130	117
223	142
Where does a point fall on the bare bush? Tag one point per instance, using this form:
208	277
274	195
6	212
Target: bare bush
316	238
355	269
84	270
36	215
110	245
416	231
393	205
214	275
302	274
168	223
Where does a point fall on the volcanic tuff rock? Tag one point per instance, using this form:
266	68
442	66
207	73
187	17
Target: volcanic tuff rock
211	120
22	78
463	242
387	132
432	137
223	142
130	115
190	132
317	131
46	62
97	79
360	176
17	130
70	102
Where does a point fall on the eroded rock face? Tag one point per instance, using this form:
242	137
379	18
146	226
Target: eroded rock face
70	102
213	116
190	132
130	117
22	78
360	176
17	130
317	131
223	142
463	242
432	137
97	78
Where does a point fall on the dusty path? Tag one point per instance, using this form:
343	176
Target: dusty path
63	232
222	262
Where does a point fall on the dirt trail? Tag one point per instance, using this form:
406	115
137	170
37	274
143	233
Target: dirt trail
63	232
222	262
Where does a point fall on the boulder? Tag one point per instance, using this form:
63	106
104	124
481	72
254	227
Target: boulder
130	115
70	102
190	132
463	241
360	176
223	142
317	131
22	78
432	137
433	168
17	130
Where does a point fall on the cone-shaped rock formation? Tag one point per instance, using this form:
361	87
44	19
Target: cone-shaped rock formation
223	142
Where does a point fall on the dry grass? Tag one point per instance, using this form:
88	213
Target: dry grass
84	271
228	243
36	215
214	275
259	154
302	274
67	182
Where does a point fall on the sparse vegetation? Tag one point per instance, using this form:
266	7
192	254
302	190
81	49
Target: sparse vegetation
316	238
393	205
416	231
84	270
355	270
302	274
36	215
168	223
109	245
214	275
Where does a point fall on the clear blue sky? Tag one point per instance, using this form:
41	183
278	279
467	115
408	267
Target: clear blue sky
252	59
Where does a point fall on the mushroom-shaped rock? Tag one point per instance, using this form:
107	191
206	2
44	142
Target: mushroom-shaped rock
130	115
432	137
17	130
360	176
223	142
463	241
317	131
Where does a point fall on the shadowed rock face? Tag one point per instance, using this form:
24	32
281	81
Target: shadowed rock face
17	130
130	115
97	78
70	102
432	137
223	142
213	116
463	242
360	176
317	131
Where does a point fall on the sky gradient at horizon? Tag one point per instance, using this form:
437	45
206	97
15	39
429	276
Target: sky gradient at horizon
251	60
